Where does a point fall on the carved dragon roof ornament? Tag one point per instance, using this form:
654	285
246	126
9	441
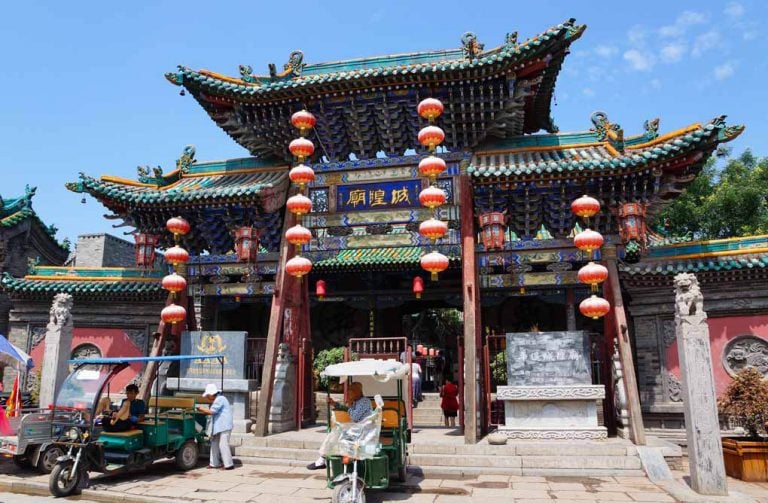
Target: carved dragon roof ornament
606	131
471	46
293	67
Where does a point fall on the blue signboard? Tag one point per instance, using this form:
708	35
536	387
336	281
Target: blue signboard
229	344
376	196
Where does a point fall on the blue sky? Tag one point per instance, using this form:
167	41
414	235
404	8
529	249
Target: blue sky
82	86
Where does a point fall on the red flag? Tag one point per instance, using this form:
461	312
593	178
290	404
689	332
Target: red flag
13	405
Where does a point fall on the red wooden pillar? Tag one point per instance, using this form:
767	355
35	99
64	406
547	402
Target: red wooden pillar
471	295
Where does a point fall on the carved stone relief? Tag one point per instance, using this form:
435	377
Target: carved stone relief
668	332
746	351
37	334
674	389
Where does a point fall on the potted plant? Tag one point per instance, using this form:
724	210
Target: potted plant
746	400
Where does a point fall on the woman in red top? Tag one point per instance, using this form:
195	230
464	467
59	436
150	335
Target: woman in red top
449	402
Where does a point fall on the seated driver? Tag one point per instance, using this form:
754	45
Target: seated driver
357	406
131	412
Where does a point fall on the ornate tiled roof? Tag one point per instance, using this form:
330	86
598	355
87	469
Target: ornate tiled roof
353	259
591	152
108	282
18	210
368	106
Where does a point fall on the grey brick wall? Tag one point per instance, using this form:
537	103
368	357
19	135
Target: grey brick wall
103	250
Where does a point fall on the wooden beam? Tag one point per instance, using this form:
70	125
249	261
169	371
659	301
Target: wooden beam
261	429
636	428
471	296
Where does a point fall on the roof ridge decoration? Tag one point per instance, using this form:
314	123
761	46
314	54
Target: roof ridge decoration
183	164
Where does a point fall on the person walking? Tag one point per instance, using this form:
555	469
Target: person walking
221	428
416	373
449	403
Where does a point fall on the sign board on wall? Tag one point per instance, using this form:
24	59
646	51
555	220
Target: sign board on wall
548	358
373	196
229	344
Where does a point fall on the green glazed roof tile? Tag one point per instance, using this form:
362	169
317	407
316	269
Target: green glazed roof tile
359	258
107	288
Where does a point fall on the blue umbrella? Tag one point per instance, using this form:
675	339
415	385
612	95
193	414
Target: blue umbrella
11	355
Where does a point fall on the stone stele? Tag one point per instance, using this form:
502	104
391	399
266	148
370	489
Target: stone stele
58	344
698	389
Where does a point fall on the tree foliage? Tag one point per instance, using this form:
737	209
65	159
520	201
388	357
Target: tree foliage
746	399
722	203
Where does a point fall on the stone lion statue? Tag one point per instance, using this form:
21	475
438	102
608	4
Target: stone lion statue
688	298
61	310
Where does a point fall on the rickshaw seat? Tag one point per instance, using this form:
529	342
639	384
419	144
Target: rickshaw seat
129	433
168	402
390	418
342	416
386	441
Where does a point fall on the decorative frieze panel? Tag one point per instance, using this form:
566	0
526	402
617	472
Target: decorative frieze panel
570	392
674	388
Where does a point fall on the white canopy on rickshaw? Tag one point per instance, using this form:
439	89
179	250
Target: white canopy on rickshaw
379	370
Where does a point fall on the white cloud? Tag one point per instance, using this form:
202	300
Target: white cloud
588	91
672	53
655	84
682	23
636	35
638	60
606	51
705	42
724	71
734	9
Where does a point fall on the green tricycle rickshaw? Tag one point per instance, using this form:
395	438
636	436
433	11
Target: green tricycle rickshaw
364	454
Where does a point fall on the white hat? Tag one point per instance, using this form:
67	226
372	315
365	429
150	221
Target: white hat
210	390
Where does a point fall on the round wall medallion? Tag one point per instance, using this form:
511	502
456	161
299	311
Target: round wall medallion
746	351
84	352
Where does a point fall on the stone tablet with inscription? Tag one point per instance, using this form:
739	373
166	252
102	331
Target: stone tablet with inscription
548	358
229	344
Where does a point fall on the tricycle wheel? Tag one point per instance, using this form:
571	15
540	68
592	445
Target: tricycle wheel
401	474
342	493
63	480
22	461
186	456
47	459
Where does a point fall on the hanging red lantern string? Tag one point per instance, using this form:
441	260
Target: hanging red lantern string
302	175
430	108
298	235
298	267
594	307
173	313
434	262
431	137
303	121
588	240
176	255
178	226
301	148
432	167
299	204
433	229
593	274
585	206
432	197
174	283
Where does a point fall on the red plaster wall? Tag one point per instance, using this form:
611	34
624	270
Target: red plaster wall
112	342
721	331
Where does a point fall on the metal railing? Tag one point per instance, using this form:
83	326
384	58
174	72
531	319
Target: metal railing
255	352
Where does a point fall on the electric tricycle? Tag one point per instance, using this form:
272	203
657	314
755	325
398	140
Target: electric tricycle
171	430
364	454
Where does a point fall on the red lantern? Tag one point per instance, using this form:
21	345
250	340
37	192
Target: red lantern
298	266
174	283
301	148
632	222
418	286
178	226
299	204
303	120
320	289
176	255
431	137
434	262
173	314
593	274
494	230
298	235
585	206
588	240
430	108
246	243
432	197
431	166
433	229
145	249
594	307
301	175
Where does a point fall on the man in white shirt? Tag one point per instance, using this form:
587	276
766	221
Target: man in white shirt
416	373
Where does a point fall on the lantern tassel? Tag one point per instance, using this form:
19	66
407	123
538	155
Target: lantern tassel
433	276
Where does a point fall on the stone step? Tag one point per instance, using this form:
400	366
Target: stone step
458	472
304	455
532	449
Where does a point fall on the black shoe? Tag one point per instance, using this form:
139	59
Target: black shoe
313	466
228	467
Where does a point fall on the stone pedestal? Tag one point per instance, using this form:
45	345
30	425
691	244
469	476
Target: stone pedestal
550	393
551	412
282	412
237	391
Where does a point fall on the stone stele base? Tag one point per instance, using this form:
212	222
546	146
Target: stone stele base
237	392
564	412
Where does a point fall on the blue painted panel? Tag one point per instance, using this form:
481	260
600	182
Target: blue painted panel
378	196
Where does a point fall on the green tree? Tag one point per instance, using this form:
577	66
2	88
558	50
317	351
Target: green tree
724	203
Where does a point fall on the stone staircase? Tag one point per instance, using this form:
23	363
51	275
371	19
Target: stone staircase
428	412
439	452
